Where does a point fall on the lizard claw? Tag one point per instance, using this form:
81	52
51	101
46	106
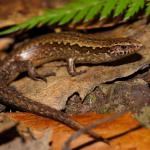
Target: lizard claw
75	73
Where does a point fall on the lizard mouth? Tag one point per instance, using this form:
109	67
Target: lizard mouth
133	49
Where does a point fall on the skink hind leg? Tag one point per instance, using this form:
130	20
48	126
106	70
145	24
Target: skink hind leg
36	76
71	68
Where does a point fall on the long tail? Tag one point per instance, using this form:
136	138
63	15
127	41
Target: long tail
10	96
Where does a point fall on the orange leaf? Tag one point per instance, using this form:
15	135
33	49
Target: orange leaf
133	139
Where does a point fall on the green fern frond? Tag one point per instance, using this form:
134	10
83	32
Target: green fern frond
93	12
148	9
84	10
121	6
108	7
134	7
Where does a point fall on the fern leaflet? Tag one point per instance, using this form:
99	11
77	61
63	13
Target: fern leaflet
121	6
84	10
148	9
134	7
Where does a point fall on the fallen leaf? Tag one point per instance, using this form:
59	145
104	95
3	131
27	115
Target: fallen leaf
59	88
6	123
132	95
28	144
23	10
124	128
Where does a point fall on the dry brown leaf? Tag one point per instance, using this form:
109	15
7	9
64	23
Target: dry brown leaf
133	95
6	123
18	11
12	133
57	90
131	139
29	144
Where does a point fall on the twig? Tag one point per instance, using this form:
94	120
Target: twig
67	144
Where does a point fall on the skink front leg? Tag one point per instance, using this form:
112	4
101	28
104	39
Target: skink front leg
71	67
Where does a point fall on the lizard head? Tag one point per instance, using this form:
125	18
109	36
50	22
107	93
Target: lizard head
108	50
123	47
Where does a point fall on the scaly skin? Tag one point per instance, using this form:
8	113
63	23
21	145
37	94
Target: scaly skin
71	47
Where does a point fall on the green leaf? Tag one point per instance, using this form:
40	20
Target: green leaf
94	11
121	6
31	23
81	14
108	7
56	19
56	16
10	30
68	17
134	7
148	9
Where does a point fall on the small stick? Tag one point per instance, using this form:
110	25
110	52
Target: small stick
81	131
